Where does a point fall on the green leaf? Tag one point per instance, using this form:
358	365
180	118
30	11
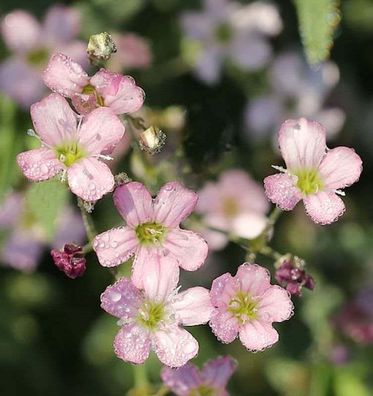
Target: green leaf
45	202
318	20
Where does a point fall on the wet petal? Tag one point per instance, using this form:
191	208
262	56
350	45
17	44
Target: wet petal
253	279
281	190
182	380
217	372
218	294
275	305
257	335
224	326
324	207
139	268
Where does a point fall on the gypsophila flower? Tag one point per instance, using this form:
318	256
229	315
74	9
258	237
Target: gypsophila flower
70	260
211	380
314	173
152	227
72	148
246	305
104	89
152	318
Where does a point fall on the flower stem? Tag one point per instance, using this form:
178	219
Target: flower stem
141	383
87	221
274	215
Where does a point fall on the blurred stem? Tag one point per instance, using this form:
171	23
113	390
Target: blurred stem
141	383
87	221
162	391
274	215
87	248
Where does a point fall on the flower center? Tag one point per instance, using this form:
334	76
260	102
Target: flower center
38	57
202	390
309	181
243	307
91	90
69	153
151	314
150	233
230	207
223	33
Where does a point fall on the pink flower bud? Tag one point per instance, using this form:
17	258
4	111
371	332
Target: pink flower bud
70	260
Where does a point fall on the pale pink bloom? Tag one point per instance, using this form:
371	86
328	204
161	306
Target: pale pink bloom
246	305
72	147
104	89
152	227
236	204
211	380
32	44
225	30
152	318
314	173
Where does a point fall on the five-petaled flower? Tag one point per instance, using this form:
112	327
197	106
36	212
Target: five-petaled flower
314	173
152	318
72	147
247	305
211	380
152	228
104	89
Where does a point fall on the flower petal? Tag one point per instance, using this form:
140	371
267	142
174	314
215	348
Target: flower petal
181	381
115	246
101	131
39	164
132	344
139	267
253	279
134	203
193	306
175	346
217	372
220	290
280	189
249	225
340	168
122	299
302	144
224	326
90	179
64	76
53	120
61	24
173	204
257	335
275	305
187	247
324	207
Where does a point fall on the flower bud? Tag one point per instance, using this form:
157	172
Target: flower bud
100	47
70	260
152	140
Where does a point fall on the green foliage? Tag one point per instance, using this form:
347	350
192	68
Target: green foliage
318	20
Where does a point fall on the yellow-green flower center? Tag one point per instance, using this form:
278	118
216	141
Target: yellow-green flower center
38	57
91	90
150	233
223	33
243	307
309	181
230	207
202	390
70	153
150	314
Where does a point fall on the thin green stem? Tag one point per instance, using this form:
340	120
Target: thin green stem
87	221
141	383
274	215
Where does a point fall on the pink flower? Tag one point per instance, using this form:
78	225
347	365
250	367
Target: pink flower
31	44
247	305
314	173
242	213
152	318
70	260
152	228
71	147
211	380
104	89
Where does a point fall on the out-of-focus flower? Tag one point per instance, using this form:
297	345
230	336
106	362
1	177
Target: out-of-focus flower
314	174
100	47
223	207
295	90
104	89
226	30
25	244
152	318
152	227
212	379
246	305
356	318
31	44
72	148
70	260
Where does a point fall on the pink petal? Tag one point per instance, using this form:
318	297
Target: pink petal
53	119
221	290
122	299
250	53
181	381
217	372
302	144
209	64
21	31
188	248
253	279
70	228
134	203
249	225
90	179
175	346
101	131
208	198
11	209
281	190
160	278
224	326
275	305
173	204
61	24
139	268
324	207
340	168
76	50
120	93
65	76
257	335
193	306
39	164
132	344
115	246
